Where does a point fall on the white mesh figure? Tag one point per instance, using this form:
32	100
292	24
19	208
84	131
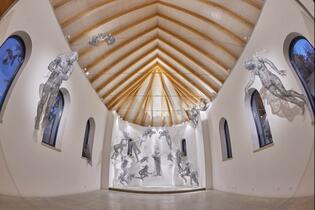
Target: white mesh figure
107	37
61	69
258	67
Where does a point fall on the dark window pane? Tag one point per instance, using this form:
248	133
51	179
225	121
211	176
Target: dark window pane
51	130
86	149
184	147
261	121
12	54
302	59
227	140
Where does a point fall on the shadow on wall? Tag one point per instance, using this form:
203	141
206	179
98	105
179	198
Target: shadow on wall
280	107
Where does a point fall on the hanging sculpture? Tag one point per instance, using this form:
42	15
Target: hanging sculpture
144	172
147	134
165	133
61	69
258	67
124	177
186	171
194	116
107	37
118	149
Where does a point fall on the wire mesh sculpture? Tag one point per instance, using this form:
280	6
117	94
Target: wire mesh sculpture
258	67
157	162
107	37
165	133
61	69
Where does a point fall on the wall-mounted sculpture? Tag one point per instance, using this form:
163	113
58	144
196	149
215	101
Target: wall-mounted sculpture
124	177
119	148
157	162
194	116
107	37
258	67
165	133
147	134
193	175
61	69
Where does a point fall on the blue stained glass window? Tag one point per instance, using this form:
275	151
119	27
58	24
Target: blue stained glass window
301	54
12	54
51	130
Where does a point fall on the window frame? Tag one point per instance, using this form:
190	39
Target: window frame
9	87
258	124
88	140
225	138
53	145
184	147
297	70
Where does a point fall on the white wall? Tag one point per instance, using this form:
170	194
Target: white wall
286	168
26	166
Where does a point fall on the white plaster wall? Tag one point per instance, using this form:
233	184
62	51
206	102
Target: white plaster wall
286	168
26	166
194	140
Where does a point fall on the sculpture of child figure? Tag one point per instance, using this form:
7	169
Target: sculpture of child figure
258	67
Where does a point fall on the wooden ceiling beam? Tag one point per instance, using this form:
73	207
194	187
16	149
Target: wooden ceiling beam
203	67
88	11
147	90
122	70
254	3
240	40
120	31
118	96
107	54
204	36
201	89
101	22
231	13
57	4
125	79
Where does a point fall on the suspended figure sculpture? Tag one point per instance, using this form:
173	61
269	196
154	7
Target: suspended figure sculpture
146	134
157	162
144	172
132	146
107	37
61	69
195	116
118	149
165	133
258	67
124	177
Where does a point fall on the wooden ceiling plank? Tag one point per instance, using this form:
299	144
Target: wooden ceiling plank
206	92
127	54
125	79
118	32
230	33
206	37
106	20
85	13
60	3
231	13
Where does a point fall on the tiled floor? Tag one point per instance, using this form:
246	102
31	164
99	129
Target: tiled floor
108	200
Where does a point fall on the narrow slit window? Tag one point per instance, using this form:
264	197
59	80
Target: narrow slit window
88	140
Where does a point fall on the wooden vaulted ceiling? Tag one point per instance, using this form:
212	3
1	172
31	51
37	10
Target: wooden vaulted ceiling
168	54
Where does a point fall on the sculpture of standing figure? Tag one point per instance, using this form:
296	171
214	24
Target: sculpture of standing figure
195	115
258	67
157	162
61	69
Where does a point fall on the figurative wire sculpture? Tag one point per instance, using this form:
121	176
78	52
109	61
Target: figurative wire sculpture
258	67
157	162
61	69
195	116
193	175
107	37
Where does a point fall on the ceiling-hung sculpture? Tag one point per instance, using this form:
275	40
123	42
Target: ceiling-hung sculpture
107	37
167	56
60	69
257	66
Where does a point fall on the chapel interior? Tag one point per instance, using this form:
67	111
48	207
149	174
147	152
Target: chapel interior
157	104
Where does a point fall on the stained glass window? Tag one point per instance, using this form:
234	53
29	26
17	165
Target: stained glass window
261	120
12	54
51	130
301	54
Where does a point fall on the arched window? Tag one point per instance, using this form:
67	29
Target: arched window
184	147
12	54
88	139
51	130
261	120
225	139
301	54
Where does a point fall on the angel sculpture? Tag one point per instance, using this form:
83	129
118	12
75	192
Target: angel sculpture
118	149
102	37
61	69
193	175
258	67
194	116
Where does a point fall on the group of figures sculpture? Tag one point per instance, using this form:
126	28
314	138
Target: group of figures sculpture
128	150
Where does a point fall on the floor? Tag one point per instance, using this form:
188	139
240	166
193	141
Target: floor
110	200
